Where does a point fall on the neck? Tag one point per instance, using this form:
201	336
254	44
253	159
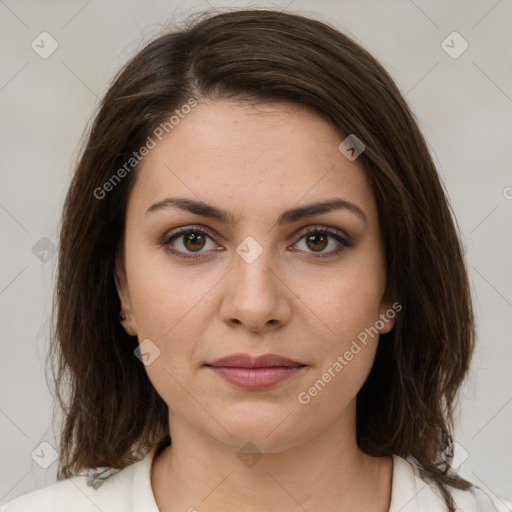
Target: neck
328	472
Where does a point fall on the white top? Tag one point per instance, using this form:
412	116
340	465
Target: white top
129	490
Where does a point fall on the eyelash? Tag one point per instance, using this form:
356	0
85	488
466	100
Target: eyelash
198	229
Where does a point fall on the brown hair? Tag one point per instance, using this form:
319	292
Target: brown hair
113	416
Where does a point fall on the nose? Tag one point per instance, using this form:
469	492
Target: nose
255	294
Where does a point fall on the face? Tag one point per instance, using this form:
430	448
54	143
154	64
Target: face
266	276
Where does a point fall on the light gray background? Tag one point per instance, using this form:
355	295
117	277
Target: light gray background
464	107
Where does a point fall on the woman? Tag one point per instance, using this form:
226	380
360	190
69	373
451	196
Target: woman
262	302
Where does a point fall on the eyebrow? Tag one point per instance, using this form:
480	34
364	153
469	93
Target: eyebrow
287	217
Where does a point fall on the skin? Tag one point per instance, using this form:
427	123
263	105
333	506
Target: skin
256	162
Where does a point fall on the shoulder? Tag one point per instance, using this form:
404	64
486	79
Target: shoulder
411	493
77	494
108	490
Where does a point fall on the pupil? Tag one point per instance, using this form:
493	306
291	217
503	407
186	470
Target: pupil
194	238
315	237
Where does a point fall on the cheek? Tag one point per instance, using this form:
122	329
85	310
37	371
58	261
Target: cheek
165	306
348	306
334	387
347	302
346	352
164	296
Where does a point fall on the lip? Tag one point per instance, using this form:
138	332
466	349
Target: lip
248	361
254	373
256	378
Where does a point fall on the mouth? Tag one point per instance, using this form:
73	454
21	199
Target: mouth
248	361
255	373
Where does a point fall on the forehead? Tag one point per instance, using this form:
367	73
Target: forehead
251	156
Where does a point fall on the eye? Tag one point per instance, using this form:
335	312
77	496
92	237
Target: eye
189	242
318	238
193	239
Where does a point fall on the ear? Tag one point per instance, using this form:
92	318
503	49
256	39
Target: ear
123	292
388	312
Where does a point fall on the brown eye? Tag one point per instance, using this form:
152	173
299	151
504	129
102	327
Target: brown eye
194	241
185	242
188	243
317	242
318	239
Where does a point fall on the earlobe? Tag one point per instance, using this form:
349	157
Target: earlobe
387	317
128	328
